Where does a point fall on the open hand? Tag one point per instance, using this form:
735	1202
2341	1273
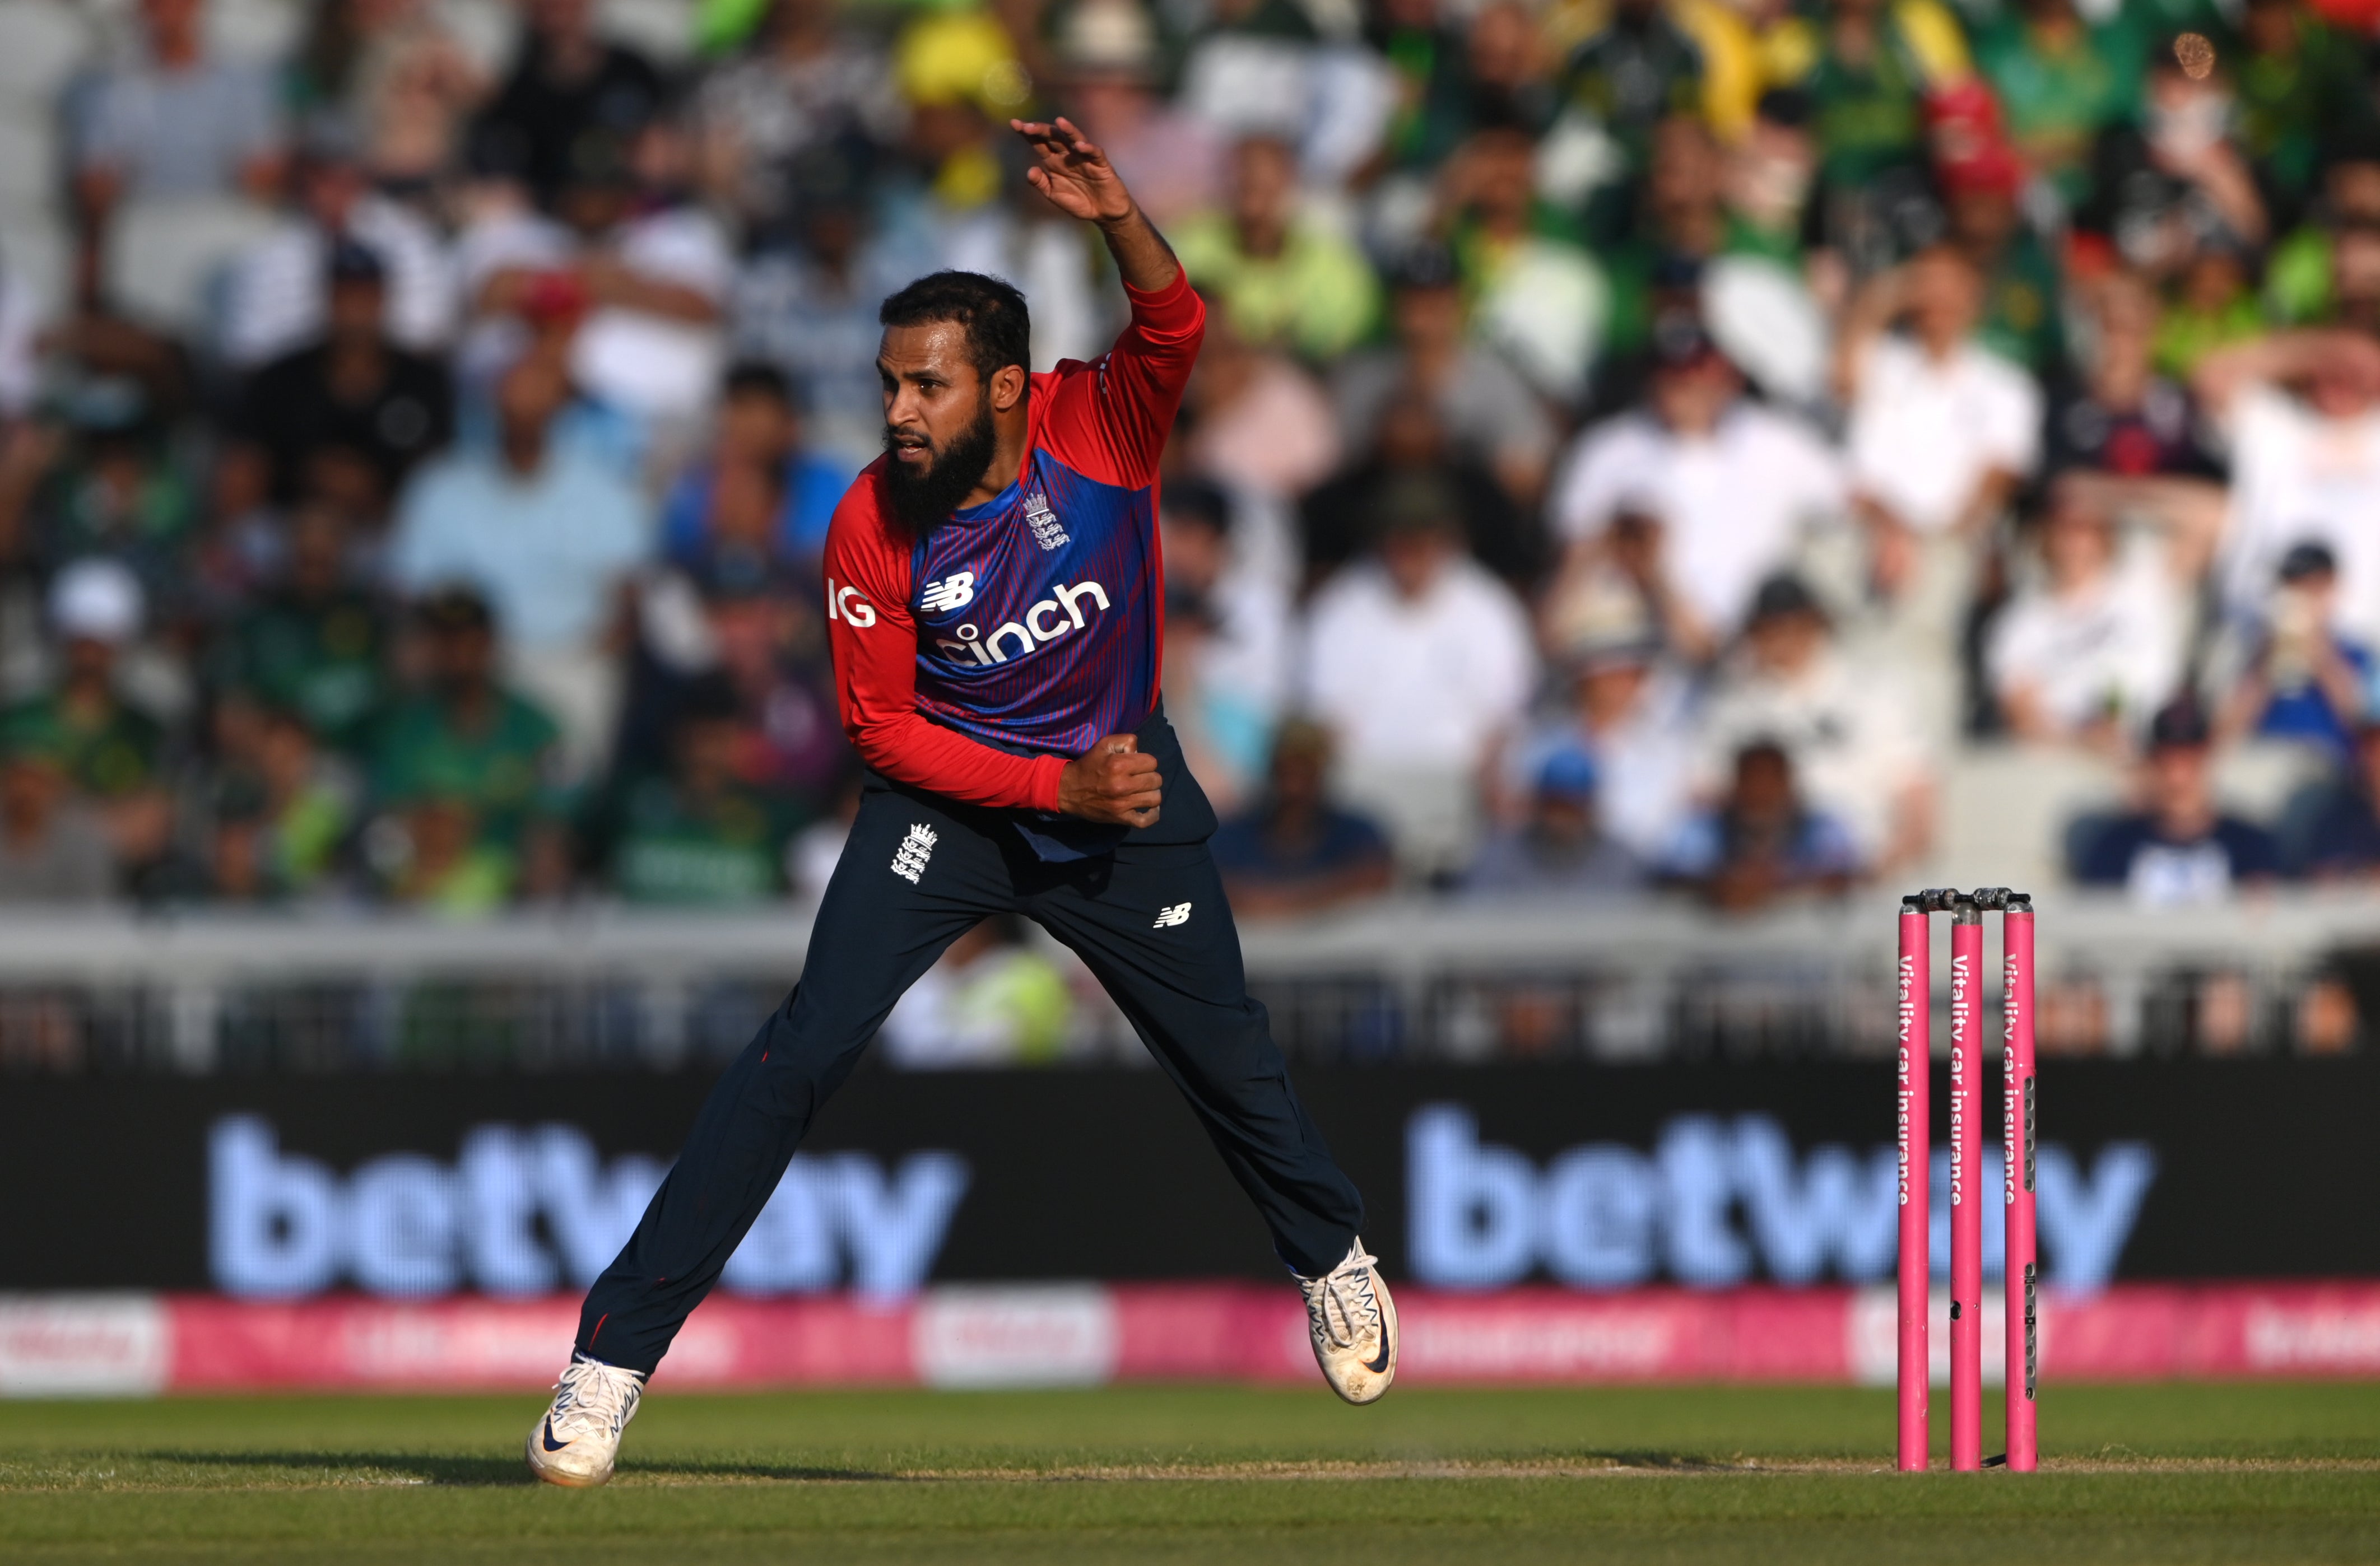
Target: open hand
1112	783
1072	173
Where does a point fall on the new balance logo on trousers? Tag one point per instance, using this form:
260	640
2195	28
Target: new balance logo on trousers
1167	918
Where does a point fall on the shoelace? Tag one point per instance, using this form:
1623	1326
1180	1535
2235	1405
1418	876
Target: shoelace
597	1398
1345	1293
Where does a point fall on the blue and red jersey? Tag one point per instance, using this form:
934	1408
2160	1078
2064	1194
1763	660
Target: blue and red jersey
977	660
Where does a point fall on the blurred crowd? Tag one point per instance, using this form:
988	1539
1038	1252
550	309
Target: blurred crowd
1639	443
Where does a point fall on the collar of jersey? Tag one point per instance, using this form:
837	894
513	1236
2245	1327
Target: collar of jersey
1037	403
1005	498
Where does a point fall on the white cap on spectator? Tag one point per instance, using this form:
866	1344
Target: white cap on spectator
97	599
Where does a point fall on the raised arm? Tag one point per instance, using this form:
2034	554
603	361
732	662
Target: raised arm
1111	421
1079	181
2222	375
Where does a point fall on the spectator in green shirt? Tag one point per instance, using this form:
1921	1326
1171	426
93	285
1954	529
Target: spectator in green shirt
439	858
2301	275
1641	69
112	751
2301	88
2061	81
2213	305
1536	294
1283	279
317	644
1430	54
697	837
1766	179
1679	220
2021	288
466	747
106	483
1877	61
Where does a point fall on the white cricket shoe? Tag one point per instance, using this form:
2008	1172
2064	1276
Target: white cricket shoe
577	1440
1355	1326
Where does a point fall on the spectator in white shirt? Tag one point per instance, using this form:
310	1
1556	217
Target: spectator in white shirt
1630	712
2292	675
550	535
1488	412
809	309
1260	70
1848	728
1227	628
1420	662
177	122
1561	848
809	86
654	283
172	125
1942	431
279	294
1729	484
2302	410
2090	647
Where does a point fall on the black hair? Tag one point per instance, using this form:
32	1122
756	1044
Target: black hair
1788	107
756	377
1764	747
706	698
2356	141
1188	498
454	608
999	329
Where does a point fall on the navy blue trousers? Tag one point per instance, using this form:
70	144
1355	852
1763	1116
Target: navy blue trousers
1179	980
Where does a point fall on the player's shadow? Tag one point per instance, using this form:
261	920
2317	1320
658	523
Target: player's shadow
1672	1461
368	1469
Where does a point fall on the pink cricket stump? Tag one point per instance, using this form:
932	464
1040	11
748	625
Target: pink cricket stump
2023	1339
1917	1156
1966	1201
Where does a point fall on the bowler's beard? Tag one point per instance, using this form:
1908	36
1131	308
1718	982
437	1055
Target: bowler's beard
923	501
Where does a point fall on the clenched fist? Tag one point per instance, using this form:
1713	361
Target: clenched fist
1111	782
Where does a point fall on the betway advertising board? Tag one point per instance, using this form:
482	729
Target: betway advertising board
1596	1179
1728	1221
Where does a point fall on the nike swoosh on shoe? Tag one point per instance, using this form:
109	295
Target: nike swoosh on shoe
546	1434
1379	1363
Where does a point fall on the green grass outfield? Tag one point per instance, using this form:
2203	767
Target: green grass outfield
1770	1476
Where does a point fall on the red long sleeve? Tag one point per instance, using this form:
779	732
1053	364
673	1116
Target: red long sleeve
875	644
1109	419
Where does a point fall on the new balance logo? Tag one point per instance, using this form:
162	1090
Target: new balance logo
1167	918
953	592
909	860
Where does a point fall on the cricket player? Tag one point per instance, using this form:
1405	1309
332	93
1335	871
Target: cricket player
995	602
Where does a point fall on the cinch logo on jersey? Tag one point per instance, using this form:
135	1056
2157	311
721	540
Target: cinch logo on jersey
1038	617
1046	621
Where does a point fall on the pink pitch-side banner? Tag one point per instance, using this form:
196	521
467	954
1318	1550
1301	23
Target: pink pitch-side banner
1088	1335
